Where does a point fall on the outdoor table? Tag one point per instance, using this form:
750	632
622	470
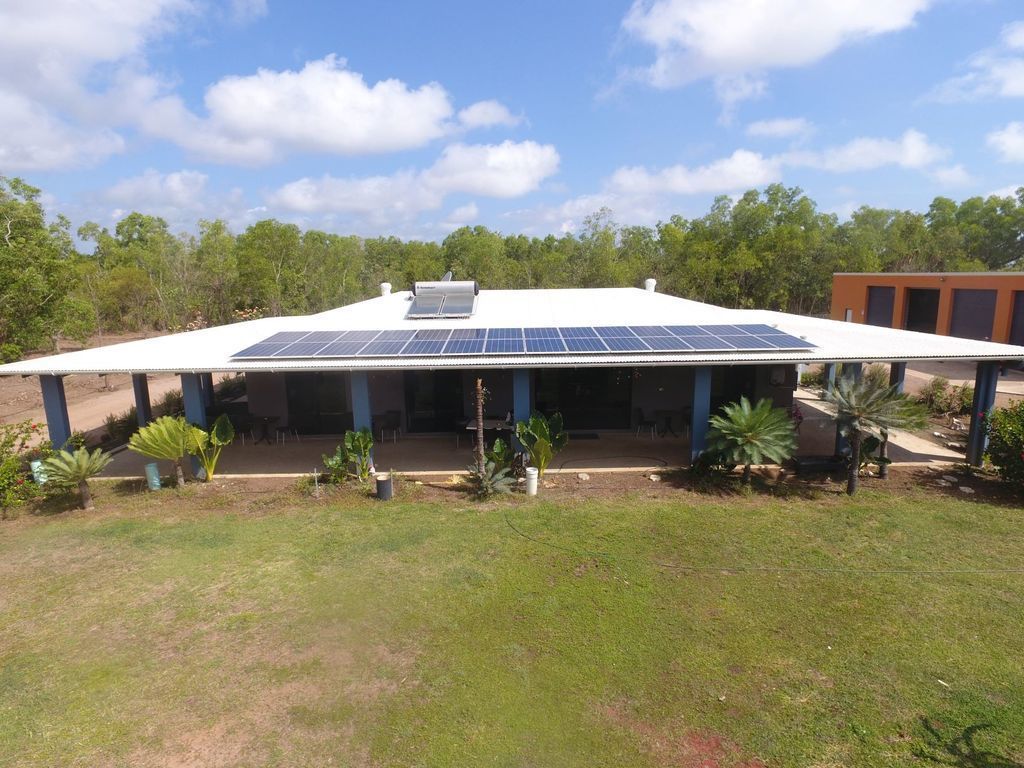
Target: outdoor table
665	418
265	423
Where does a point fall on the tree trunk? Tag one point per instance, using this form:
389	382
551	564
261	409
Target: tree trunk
480	425
179	473
883	465
854	474
746	474
85	495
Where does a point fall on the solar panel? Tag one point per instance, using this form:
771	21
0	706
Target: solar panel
649	330
667	344
687	330
341	349
614	331
469	333
503	346
761	329
585	344
425	306
626	344
359	336
517	341
785	341
709	344
395	335
458	305
437	334
718	330
263	349
288	336
301	349
323	336
381	348
541	333
423	347
748	342
504	333
464	346
578	333
544	345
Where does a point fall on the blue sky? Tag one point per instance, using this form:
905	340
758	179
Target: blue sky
414	118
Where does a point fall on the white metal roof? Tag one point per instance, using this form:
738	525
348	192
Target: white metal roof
211	349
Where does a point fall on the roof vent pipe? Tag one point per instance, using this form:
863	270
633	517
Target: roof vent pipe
649	284
385	289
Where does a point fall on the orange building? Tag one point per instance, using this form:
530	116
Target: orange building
987	306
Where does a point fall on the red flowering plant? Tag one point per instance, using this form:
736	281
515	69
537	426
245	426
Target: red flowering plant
16	450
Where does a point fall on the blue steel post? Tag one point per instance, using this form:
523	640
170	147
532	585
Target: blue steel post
55	405
522	399
700	410
143	408
361	415
897	373
195	406
830	374
850	370
208	390
984	398
192	394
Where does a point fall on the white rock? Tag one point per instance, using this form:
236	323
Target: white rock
655	478
965	489
582	476
951	478
943	483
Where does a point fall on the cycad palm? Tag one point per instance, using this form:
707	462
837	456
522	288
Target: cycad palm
74	469
864	407
749	435
166	438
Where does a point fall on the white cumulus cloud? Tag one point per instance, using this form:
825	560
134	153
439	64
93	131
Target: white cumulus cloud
485	114
501	170
912	150
694	39
780	128
180	189
996	72
741	170
1008	142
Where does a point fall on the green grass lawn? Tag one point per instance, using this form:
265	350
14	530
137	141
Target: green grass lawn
222	627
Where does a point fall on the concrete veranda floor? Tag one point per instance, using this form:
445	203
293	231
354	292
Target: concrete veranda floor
603	451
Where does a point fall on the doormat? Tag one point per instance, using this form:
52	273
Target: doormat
583	435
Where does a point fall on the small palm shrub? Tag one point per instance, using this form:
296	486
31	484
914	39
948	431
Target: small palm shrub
167	438
862	407
747	435
67	469
207	446
1006	442
491	481
542	438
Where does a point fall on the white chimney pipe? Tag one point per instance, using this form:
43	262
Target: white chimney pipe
385	289
649	284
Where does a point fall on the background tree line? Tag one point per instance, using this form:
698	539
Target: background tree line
769	249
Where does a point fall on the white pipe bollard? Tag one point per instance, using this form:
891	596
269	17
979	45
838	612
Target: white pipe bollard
531	481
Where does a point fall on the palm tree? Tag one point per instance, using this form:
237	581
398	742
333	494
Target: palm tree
70	469
166	438
748	435
864	407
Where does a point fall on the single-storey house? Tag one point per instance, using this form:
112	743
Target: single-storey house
606	358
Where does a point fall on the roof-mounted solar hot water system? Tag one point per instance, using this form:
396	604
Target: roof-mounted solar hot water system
443	299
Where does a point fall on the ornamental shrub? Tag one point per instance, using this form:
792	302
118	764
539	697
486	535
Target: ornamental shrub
16	486
1006	441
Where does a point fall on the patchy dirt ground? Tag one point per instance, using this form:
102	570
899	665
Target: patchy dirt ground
90	398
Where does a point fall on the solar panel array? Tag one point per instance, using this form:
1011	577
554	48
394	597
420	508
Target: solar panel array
525	341
437	305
